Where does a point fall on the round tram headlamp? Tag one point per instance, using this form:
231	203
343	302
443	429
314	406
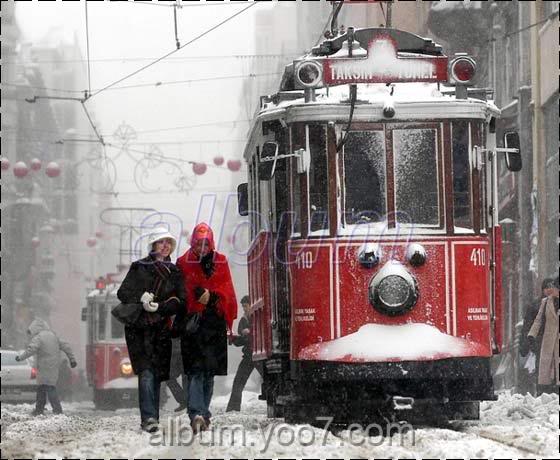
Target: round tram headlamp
126	369
416	255
309	73
463	69
393	290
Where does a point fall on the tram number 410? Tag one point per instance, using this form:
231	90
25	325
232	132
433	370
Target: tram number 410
478	257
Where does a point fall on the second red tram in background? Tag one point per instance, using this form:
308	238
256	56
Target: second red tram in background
375	263
108	368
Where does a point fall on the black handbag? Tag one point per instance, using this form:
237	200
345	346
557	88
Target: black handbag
193	323
128	313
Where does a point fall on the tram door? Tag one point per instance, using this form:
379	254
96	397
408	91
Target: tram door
280	229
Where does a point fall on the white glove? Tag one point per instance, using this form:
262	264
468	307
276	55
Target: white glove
151	306
147	297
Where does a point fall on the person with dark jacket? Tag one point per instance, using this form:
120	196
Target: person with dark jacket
246	366
154	288
46	346
529	379
178	390
211	298
548	377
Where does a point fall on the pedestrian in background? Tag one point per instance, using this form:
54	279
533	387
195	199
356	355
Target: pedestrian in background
246	365
529	370
46	346
547	318
211	299
151	293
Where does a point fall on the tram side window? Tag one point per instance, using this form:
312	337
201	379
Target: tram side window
364	177
296	199
416	176
101	322
318	179
461	175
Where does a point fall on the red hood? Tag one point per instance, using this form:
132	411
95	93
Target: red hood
203	231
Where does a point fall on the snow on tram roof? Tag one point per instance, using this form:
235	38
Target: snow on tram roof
379	92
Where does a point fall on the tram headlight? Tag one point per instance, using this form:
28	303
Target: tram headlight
309	74
393	290
126	369
462	69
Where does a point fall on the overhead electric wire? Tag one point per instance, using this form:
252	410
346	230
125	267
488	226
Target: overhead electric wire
87	48
187	5
198	37
151	58
141	85
189	126
194	80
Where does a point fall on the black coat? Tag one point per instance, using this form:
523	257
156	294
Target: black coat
531	312
206	350
149	339
244	340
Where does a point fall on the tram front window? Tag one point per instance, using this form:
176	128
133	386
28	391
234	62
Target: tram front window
416	176
461	175
364	177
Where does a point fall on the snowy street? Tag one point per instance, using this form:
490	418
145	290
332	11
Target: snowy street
515	426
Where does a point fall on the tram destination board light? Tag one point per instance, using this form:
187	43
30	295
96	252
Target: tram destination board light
384	65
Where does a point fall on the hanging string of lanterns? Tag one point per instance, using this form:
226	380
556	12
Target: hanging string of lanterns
200	168
21	170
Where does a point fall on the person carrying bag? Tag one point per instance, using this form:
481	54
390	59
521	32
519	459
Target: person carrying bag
151	293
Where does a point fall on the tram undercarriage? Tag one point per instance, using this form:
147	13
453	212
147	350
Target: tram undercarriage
415	392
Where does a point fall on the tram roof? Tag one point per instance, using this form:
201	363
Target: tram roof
412	102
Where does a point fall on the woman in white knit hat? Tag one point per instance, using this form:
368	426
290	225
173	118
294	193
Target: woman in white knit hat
155	286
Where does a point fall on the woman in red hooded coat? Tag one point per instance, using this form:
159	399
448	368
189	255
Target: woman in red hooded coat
210	293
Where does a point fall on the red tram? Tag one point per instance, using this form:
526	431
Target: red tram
375	262
108	367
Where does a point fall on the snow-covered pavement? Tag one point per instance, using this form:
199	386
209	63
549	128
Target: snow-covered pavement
515	426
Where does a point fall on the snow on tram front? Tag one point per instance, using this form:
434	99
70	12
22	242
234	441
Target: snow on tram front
375	262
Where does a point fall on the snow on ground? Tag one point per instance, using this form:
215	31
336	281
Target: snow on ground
522	421
81	432
515	426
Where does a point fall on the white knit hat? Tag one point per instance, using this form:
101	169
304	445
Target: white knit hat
160	233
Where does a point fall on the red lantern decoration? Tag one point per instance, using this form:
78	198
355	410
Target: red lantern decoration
35	164
99	234
5	164
199	168
234	165
53	169
35	242
91	242
218	161
20	169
